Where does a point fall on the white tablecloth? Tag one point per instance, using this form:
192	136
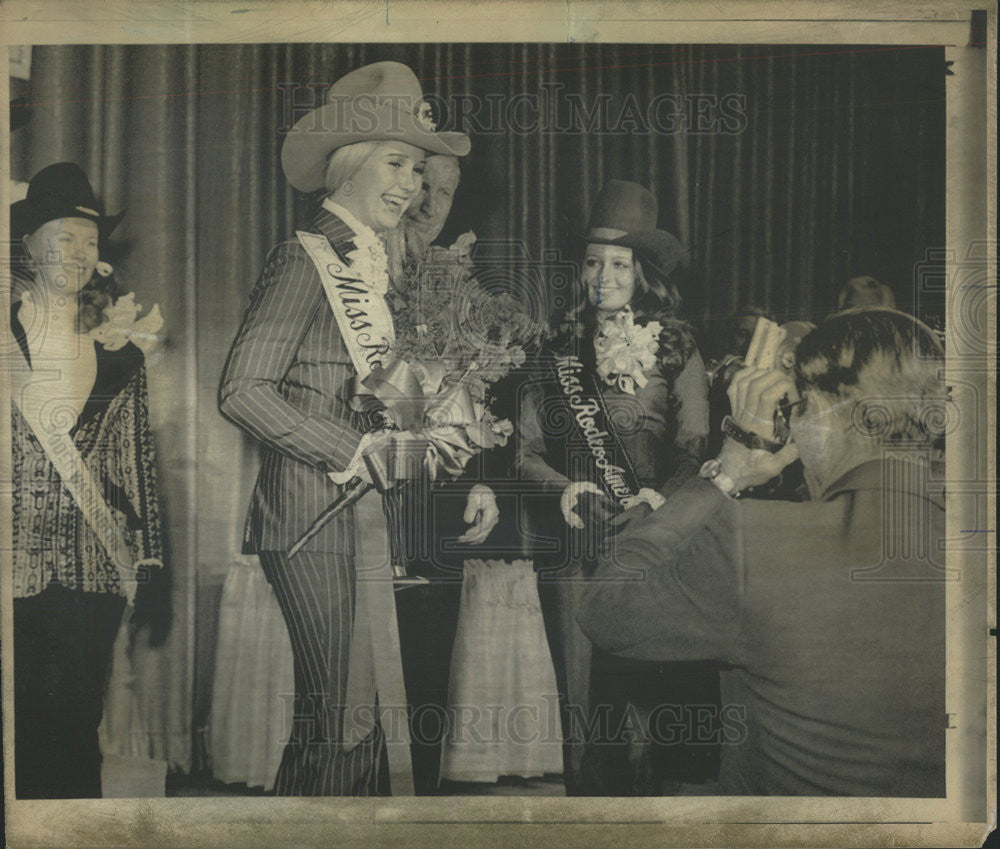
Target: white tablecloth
503	701
254	681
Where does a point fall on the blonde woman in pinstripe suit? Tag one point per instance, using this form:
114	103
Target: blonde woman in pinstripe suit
286	384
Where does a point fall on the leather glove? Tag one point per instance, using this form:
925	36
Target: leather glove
583	505
153	607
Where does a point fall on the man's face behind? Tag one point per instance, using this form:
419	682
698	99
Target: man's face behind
427	214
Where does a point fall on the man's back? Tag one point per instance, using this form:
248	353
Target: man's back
840	651
830	615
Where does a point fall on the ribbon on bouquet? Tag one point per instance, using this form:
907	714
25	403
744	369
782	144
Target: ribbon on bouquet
440	430
434	424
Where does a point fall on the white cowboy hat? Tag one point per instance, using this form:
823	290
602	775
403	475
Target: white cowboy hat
378	102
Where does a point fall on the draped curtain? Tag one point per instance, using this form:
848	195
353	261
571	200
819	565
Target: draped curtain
822	163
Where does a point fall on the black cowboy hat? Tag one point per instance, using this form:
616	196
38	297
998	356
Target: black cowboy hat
624	214
61	190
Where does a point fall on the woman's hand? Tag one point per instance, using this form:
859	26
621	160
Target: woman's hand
598	511
357	467
482	513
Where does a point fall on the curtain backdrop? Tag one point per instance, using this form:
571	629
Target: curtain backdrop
785	169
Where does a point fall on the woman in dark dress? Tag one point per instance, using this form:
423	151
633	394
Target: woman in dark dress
620	417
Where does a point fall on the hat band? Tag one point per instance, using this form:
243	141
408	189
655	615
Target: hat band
87	210
605	233
366	108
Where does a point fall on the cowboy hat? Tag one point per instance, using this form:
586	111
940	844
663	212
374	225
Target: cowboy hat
378	102
624	214
61	190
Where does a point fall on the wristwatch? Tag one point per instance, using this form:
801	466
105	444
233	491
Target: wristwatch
748	438
711	470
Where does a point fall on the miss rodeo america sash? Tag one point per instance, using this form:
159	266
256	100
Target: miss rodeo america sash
375	684
362	314
604	460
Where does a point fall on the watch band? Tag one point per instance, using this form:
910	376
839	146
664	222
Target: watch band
748	438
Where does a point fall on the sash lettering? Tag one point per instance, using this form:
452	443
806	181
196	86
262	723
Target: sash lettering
362	314
609	464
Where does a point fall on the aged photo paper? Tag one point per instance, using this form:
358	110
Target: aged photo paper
487	423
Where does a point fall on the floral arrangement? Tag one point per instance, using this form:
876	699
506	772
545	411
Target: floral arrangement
629	344
443	317
453	341
459	340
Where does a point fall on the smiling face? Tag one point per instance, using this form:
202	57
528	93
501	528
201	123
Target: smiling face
379	192
608	276
426	216
66	252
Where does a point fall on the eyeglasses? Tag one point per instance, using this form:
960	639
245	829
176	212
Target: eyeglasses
785	407
783	416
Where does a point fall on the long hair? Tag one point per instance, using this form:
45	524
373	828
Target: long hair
99	294
656	294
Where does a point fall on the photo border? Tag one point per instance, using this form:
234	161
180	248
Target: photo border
663	821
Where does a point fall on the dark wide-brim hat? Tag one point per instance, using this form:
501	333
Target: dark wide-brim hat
378	102
61	190
624	215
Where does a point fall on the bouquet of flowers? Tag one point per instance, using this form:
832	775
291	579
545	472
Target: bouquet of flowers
453	341
445	318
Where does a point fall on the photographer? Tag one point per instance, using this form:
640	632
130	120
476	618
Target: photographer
829	613
788	485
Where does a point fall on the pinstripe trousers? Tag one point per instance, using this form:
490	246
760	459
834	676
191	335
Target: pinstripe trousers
316	593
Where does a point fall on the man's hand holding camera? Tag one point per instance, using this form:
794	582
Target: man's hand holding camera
761	396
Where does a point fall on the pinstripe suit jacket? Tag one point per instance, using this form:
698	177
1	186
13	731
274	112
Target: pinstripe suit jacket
285	383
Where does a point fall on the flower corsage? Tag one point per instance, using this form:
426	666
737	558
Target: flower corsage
625	350
122	326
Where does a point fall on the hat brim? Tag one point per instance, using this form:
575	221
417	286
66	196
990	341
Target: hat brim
29	214
658	246
314	137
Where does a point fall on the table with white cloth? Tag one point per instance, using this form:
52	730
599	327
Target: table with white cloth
254	682
503	701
